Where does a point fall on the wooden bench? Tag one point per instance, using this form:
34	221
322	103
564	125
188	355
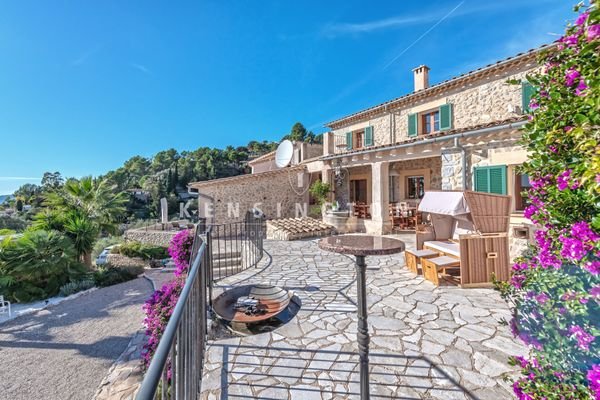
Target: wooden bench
432	267
415	257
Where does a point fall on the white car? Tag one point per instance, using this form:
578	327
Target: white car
103	256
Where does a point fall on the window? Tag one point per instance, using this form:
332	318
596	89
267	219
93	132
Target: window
360	138
358	191
490	179
415	187
430	122
522	185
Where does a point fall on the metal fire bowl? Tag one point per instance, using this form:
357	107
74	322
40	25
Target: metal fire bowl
272	298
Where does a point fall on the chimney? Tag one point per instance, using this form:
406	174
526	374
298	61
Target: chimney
421	77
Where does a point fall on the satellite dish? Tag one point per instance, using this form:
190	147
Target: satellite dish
284	153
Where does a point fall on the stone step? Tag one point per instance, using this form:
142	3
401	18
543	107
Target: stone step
226	262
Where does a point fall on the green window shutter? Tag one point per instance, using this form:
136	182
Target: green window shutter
349	140
490	179
412	125
480	179
498	179
527	92
369	136
445	117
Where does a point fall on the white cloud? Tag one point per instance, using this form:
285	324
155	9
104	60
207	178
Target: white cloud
141	68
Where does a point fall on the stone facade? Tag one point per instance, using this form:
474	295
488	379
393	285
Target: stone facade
430	168
484	101
278	194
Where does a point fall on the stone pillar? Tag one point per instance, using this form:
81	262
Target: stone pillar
380	214
328	143
452	170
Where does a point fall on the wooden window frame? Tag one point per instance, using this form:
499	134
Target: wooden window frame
430	117
407	186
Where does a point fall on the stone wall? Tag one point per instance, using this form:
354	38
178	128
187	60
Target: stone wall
157	238
484	101
430	168
275	193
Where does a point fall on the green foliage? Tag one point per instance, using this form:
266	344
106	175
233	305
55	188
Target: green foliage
76	286
7	232
110	275
103	243
555	288
141	250
36	265
13	223
82	209
320	190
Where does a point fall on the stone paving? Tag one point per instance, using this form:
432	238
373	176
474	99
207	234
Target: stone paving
426	342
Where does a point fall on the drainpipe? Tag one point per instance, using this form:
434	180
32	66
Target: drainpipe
463	153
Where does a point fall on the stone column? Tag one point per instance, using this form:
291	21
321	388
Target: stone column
328	143
452	170
380	215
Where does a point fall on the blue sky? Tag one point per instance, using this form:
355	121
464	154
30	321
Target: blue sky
86	85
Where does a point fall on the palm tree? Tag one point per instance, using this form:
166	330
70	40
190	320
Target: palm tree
83	208
37	264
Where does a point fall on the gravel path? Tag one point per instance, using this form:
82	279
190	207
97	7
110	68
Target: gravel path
64	351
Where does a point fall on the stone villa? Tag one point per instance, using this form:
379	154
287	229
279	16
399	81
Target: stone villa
459	134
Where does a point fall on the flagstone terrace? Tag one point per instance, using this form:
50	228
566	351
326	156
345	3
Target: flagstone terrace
426	342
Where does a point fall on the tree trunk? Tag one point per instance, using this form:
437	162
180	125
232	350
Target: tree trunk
87	259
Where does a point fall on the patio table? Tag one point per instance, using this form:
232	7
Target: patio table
361	246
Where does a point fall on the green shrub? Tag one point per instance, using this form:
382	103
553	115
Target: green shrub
141	250
103	243
320	190
7	232
13	223
110	275
77	286
36	265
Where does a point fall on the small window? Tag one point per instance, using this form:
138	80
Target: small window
415	187
522	186
430	122
359	139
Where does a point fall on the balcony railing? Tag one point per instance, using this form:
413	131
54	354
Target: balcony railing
176	368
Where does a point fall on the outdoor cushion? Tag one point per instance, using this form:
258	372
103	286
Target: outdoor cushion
422	253
444	247
444	261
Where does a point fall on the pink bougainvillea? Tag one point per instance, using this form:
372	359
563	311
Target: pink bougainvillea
159	307
180	249
555	286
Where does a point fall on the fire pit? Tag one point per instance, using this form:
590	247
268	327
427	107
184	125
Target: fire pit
245	307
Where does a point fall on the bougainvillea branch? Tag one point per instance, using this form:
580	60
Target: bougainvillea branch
159	307
555	287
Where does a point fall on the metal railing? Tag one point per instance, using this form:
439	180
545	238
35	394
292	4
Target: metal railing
176	368
175	371
236	246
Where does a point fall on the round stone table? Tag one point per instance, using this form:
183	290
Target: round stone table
361	246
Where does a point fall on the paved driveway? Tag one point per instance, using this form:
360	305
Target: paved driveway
64	351
426	342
